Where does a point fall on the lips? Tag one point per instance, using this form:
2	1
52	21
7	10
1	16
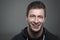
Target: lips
36	25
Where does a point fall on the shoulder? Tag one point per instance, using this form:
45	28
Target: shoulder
17	37
50	36
20	36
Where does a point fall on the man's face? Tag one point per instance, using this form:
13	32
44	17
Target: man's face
36	19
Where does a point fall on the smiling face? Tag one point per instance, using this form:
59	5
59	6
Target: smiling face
35	19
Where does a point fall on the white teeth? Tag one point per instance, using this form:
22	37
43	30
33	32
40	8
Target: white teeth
35	25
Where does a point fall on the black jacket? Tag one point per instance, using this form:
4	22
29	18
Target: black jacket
23	35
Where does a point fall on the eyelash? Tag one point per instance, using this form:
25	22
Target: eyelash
38	16
32	16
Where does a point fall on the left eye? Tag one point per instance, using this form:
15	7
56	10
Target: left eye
40	16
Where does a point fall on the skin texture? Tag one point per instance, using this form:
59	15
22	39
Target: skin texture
35	20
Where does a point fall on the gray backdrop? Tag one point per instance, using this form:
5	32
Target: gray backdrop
12	13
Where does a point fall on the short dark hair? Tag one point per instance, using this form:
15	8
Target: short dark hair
36	5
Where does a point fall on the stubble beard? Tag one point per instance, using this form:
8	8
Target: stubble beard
33	33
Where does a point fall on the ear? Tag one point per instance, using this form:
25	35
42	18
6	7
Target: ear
44	19
26	17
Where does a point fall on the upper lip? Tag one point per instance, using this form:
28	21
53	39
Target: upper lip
36	24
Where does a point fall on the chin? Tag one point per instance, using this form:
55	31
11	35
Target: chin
36	30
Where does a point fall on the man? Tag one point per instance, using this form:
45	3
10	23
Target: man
36	15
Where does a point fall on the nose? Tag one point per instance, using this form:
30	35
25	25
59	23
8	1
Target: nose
36	20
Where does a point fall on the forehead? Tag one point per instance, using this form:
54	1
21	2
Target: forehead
36	12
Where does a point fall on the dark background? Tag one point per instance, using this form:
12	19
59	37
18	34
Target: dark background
12	13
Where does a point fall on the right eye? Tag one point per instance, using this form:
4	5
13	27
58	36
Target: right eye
32	16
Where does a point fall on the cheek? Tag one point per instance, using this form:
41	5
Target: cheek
31	19
41	20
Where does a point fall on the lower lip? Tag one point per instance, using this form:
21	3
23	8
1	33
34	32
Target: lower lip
36	27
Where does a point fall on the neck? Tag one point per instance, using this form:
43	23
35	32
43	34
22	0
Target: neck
35	34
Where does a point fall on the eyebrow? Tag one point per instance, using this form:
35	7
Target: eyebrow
32	15
40	16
